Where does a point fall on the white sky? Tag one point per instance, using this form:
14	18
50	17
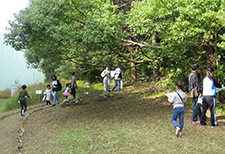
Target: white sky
7	9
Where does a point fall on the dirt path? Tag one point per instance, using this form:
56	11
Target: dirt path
9	133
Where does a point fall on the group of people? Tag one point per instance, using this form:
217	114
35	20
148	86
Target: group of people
106	74
206	93
51	90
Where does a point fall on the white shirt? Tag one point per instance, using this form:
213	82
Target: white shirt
209	88
48	93
175	99
67	88
117	73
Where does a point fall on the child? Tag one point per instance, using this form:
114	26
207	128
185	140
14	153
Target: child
48	93
178	99
22	99
68	87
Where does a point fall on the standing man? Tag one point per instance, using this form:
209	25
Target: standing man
117	76
73	84
195	91
209	97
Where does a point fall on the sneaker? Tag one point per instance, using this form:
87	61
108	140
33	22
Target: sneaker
49	105
46	106
22	116
53	105
178	131
180	134
198	121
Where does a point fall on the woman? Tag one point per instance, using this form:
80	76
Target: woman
209	97
106	74
55	83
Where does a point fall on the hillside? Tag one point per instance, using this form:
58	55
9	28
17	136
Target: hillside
137	123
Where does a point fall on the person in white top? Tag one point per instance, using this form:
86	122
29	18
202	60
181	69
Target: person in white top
209	99
117	76
178	99
106	74
48	92
68	87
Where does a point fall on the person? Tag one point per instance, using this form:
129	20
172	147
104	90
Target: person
22	99
55	83
48	93
178	99
73	84
195	90
117	77
68	87
209	99
106	74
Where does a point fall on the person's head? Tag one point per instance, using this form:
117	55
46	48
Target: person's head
210	72
107	67
54	77
68	85
24	87
48	86
195	67
180	85
120	66
74	74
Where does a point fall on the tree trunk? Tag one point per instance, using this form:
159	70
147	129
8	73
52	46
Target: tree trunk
155	69
133	66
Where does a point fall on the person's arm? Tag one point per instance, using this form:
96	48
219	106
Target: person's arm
198	84
170	97
217	85
27	94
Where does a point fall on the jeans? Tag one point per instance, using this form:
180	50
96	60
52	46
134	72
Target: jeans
23	103
117	83
55	97
178	111
196	109
106	82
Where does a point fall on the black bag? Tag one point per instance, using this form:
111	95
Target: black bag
120	75
59	86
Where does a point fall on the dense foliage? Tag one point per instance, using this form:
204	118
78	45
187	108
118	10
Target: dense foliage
149	37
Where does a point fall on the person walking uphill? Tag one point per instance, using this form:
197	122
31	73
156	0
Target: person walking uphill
73	84
209	100
55	85
178	99
117	76
195	90
22	99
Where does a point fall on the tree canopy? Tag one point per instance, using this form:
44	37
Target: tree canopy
161	37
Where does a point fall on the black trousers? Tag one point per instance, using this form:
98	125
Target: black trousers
209	102
73	92
48	102
23	104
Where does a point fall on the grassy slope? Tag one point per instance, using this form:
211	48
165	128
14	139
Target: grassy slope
137	123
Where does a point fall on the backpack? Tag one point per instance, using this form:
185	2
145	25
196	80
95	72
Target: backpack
59	86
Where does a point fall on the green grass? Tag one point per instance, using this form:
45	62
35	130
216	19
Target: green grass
134	124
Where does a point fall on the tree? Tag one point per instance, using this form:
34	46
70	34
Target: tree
189	31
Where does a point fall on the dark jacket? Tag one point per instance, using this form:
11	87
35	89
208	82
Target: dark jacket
194	82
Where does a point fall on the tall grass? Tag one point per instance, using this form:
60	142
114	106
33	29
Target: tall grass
12	103
5	93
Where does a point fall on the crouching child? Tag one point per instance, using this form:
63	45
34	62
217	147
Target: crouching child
178	99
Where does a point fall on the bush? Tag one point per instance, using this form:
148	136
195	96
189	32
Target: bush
12	103
5	93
